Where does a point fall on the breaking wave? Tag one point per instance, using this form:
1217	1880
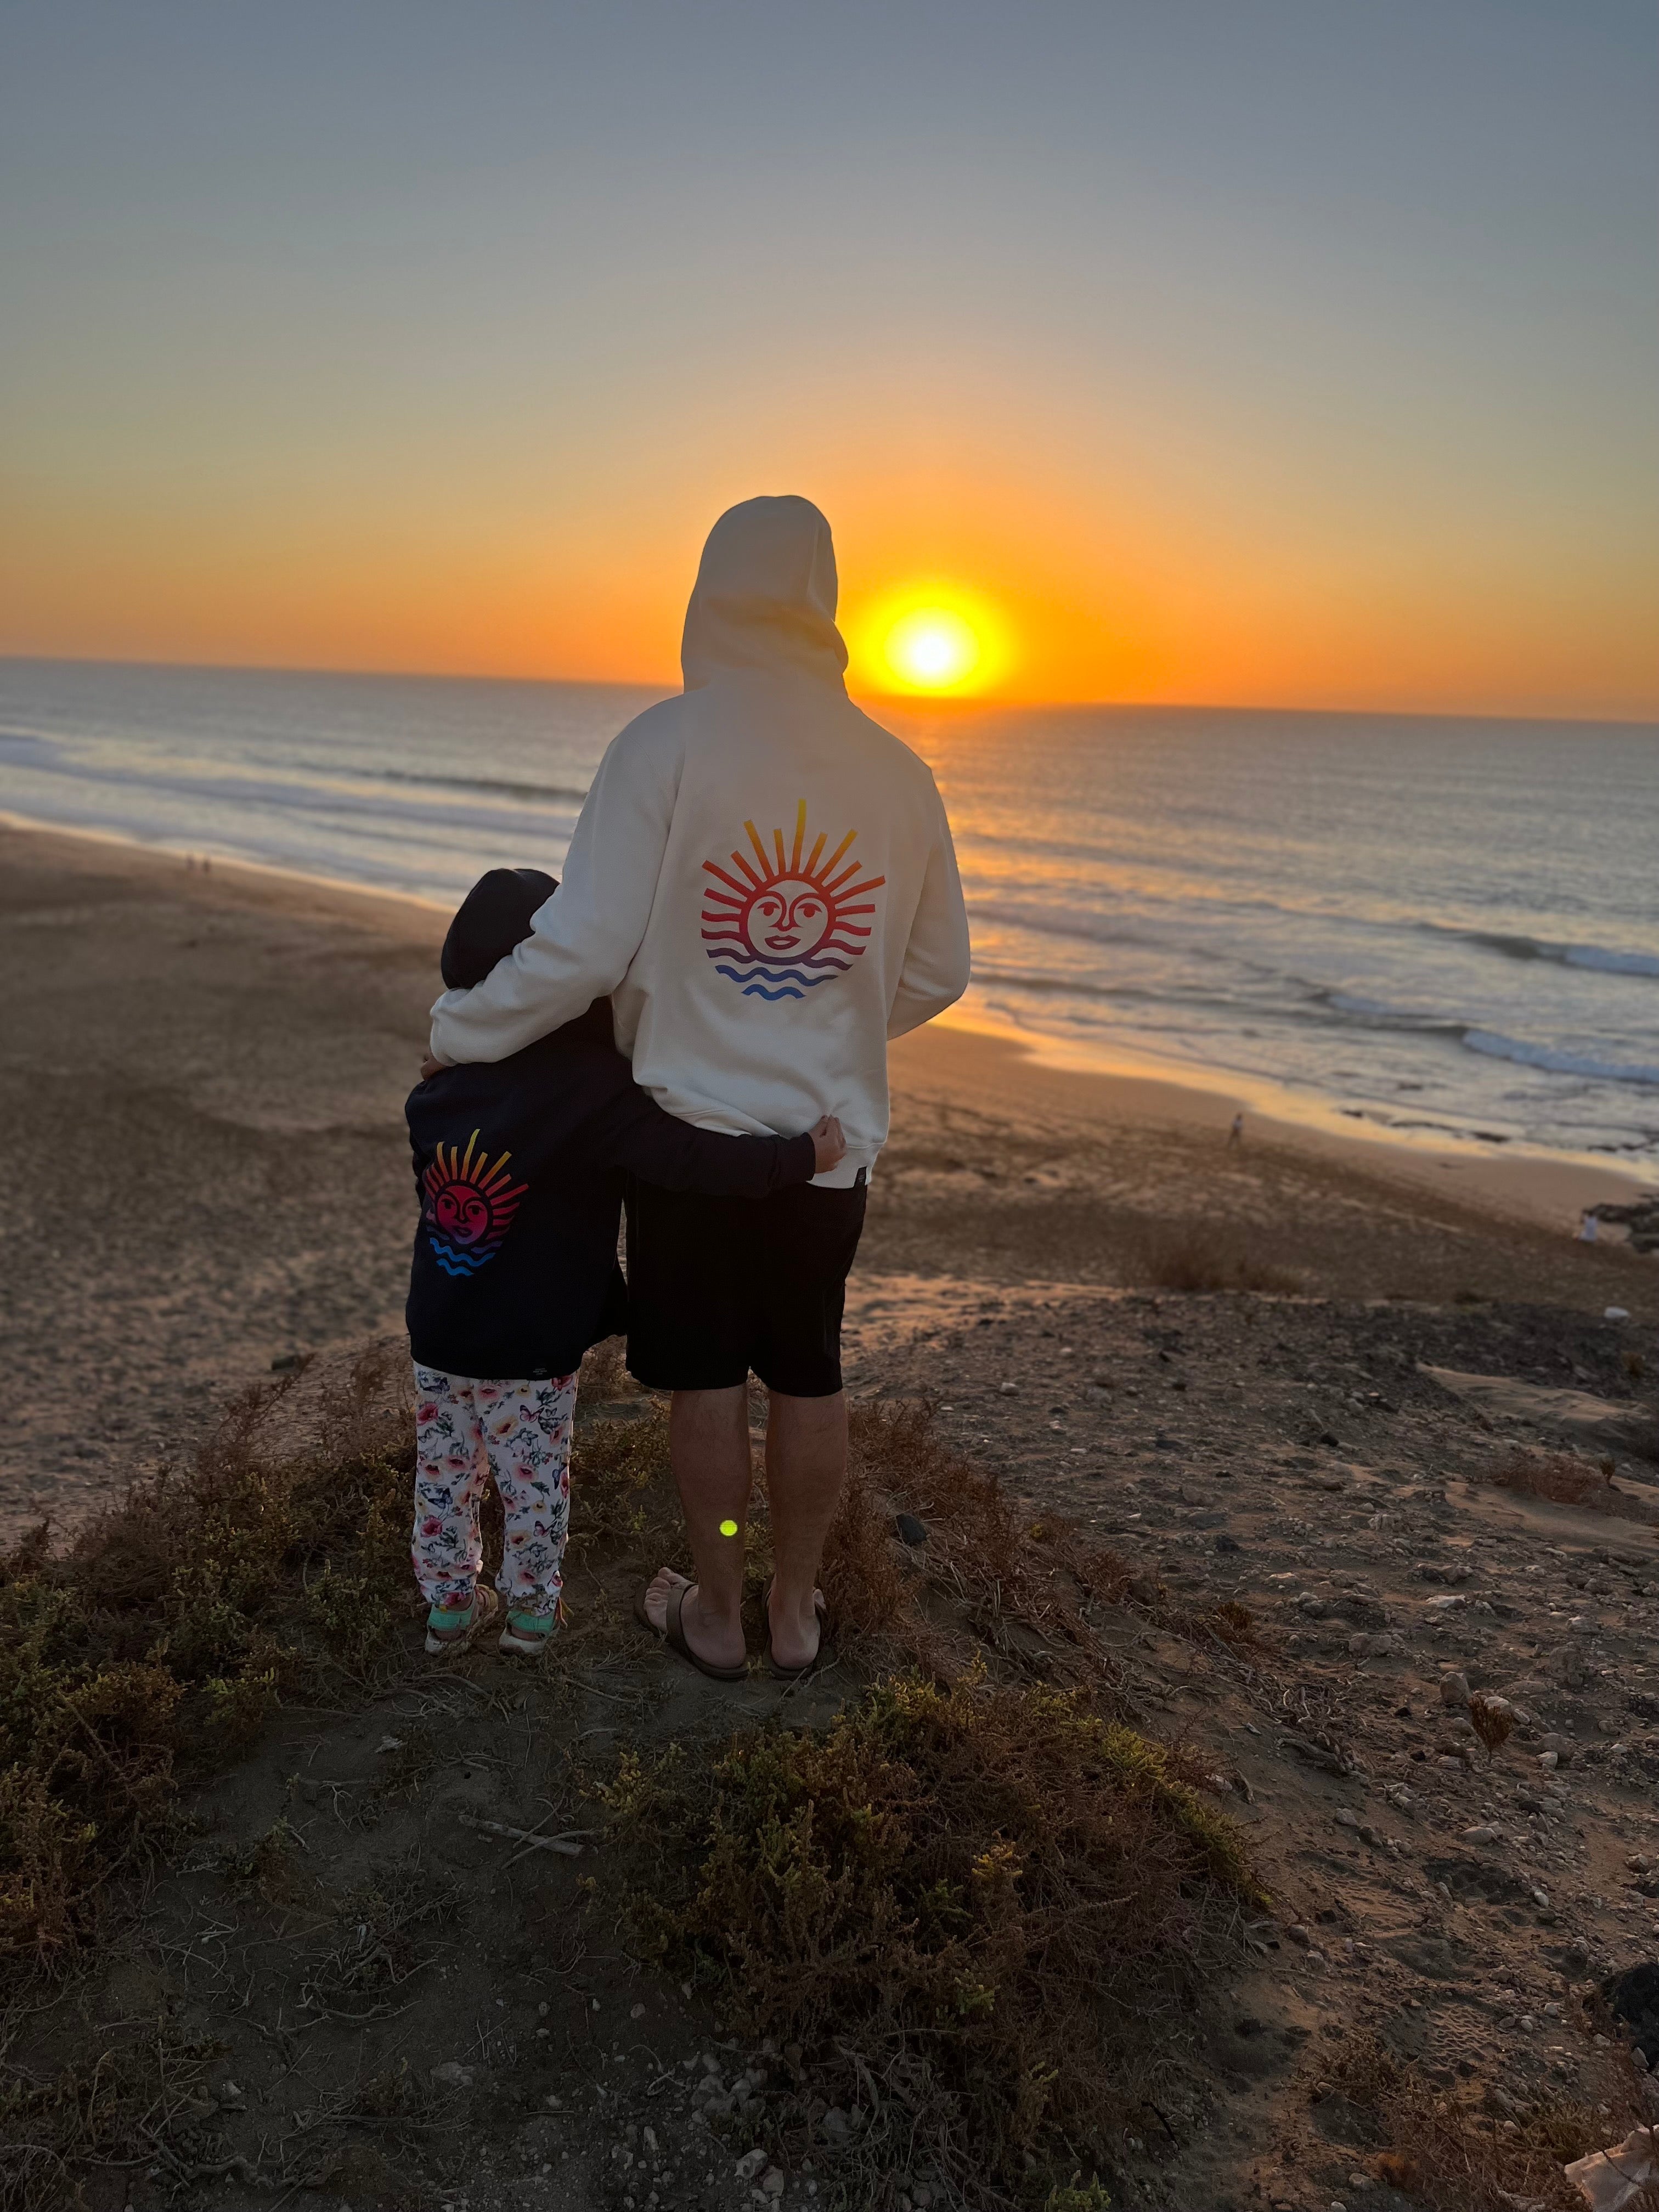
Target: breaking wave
1556	1062
1602	959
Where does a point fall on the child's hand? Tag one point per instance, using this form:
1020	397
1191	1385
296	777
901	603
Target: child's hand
828	1146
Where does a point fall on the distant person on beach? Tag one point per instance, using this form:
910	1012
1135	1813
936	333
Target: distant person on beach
763	880
519	1165
1588	1225
1235	1134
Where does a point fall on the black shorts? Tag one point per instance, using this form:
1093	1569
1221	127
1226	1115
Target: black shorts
718	1286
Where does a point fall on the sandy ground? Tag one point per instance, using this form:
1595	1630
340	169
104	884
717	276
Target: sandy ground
202	1079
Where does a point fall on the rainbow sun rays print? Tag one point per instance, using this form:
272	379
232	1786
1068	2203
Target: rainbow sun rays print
470	1206
783	923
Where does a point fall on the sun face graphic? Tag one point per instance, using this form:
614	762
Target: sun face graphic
779	922
470	1205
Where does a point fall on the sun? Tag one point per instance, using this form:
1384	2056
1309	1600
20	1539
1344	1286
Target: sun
932	649
931	637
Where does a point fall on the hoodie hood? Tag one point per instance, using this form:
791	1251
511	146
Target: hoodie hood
765	595
495	915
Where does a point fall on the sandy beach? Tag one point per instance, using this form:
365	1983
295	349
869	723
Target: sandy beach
207	1070
1287	1378
204	1073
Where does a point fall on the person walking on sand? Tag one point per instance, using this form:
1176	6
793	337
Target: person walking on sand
763	880
1236	1134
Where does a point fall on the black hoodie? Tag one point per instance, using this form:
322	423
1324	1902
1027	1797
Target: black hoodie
520	1164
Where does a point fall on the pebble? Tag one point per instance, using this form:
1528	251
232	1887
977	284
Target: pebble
1485	1834
1549	1760
750	2164
1455	1689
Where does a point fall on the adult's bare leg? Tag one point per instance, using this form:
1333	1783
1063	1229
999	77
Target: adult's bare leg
806	1467
708	1443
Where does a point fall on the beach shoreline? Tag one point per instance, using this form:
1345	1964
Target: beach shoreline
1519	1180
211	1067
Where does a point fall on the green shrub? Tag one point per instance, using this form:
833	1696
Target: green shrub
989	1899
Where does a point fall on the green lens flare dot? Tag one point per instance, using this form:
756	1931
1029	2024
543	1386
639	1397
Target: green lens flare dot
728	1528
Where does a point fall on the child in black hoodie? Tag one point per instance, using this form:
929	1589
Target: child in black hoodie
519	1164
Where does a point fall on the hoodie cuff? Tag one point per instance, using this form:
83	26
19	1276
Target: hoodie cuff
799	1160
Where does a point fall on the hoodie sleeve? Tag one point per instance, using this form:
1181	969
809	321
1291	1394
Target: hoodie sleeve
936	960
665	1150
583	940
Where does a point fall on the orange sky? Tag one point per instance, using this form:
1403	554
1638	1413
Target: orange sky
1157	347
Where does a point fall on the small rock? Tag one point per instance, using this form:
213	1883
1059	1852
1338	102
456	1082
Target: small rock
285	1361
1549	1760
636	2012
1008	1389
835	2127
452	2074
1223	1542
911	1531
750	2164
388	1743
1346	1819
1615	1313
1485	1834
1455	1689
771	2182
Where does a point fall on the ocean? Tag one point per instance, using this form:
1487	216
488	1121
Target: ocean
1444	928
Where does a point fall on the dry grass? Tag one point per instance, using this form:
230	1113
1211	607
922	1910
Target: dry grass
141	2103
1566	1480
1030	1595
156	1645
1443	2149
978	1915
1196	1256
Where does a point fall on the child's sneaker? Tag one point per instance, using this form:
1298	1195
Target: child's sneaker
528	1634
447	1630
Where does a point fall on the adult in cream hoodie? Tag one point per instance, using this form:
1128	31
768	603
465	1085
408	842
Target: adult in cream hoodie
763	880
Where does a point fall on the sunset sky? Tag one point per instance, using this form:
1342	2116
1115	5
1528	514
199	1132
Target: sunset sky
1295	351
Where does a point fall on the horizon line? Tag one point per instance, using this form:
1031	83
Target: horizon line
906	699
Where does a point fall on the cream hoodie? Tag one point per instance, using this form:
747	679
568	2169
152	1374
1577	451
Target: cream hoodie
761	877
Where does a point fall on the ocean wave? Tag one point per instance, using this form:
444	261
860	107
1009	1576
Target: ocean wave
1376	1014
1604	959
1556	1062
562	794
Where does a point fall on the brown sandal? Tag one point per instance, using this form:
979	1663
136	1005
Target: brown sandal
674	1636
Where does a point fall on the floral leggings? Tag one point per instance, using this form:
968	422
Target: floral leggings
466	1432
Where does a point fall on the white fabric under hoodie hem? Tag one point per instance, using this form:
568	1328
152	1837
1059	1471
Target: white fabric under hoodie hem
761	877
